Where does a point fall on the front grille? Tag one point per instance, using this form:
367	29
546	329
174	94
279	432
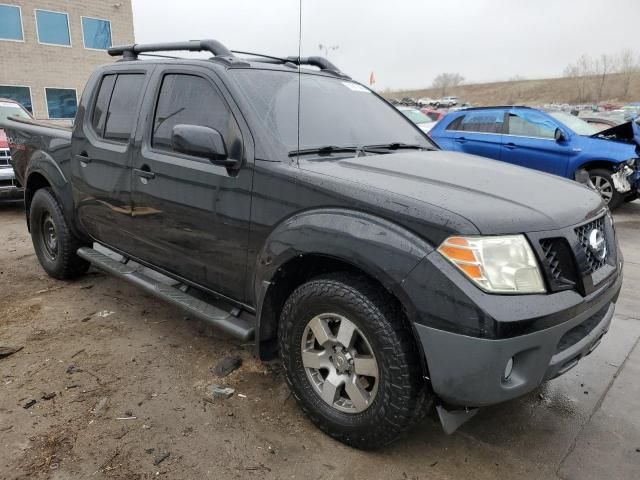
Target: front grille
6	183
583	233
5	158
580	331
559	261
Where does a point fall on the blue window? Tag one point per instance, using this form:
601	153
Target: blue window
53	28
10	23
61	102
22	95
96	33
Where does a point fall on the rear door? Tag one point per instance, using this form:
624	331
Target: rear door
191	217
478	132
101	153
530	142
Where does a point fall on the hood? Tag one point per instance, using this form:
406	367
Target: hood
628	132
4	143
496	197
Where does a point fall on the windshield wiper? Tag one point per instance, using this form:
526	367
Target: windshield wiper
396	146
326	150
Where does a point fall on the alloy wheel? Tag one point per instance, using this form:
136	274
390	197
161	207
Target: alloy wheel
339	363
603	186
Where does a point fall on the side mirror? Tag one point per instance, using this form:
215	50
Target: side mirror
559	135
202	142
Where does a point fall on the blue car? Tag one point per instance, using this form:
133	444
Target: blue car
552	141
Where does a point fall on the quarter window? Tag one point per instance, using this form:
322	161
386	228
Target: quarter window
22	95
531	124
10	23
96	33
123	106
53	28
62	103
192	100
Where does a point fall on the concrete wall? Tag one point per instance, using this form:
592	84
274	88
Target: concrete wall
37	66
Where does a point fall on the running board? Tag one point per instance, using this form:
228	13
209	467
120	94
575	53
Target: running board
207	312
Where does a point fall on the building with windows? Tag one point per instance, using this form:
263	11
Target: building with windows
48	49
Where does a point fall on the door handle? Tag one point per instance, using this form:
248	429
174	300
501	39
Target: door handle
461	139
510	146
144	172
83	158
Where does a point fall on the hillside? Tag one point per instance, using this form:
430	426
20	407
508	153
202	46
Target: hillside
535	92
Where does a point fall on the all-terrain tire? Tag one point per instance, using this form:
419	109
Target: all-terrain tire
616	198
54	243
402	394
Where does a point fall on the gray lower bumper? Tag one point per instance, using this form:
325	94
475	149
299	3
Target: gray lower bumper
9	187
468	371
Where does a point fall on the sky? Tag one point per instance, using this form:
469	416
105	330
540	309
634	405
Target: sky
406	43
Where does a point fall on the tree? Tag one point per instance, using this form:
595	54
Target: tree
628	67
580	72
603	66
444	81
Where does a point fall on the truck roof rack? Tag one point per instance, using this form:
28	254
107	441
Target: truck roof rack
130	52
322	63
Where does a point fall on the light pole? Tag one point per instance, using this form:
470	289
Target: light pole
328	48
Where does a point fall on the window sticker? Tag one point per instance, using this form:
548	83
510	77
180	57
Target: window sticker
355	87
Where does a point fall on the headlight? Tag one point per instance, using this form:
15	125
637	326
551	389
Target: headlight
503	264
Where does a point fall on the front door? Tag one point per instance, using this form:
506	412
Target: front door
101	156
191	217
530	142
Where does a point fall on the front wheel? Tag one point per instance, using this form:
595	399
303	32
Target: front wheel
603	183
53	241
351	361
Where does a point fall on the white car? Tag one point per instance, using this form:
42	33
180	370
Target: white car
424	101
423	122
446	102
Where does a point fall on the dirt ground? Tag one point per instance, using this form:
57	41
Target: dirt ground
118	379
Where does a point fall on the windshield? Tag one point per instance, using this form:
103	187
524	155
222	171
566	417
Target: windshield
12	110
576	124
416	116
333	111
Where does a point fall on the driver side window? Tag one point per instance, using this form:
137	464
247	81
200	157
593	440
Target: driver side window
192	100
531	124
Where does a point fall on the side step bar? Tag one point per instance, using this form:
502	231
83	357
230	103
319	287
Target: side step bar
211	314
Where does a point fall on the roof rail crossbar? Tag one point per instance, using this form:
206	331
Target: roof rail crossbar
130	52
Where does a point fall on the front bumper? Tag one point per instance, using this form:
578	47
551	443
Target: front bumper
466	365
9	186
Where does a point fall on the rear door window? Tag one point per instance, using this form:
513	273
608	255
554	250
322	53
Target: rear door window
483	121
102	103
121	116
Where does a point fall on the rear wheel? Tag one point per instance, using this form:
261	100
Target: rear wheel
351	361
54	244
603	183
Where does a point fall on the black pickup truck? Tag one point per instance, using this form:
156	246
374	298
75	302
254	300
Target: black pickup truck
280	200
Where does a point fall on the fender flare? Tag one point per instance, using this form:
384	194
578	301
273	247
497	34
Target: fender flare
42	164
382	249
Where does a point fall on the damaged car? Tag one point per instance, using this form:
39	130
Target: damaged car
553	141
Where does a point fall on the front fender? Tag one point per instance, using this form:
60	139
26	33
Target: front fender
380	248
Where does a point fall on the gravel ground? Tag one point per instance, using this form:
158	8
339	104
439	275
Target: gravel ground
119	383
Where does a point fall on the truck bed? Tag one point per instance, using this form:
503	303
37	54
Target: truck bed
27	137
